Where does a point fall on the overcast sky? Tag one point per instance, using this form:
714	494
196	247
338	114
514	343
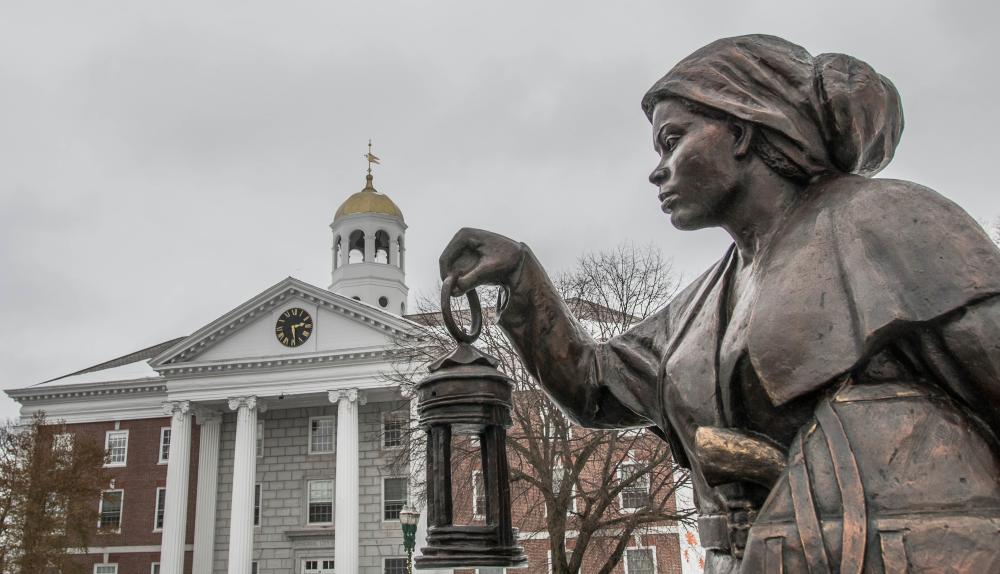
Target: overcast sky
160	164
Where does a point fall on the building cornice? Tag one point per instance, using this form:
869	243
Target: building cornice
89	391
282	363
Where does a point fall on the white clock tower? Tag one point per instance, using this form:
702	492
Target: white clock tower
369	248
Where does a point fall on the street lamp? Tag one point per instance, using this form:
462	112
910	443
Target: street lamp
408	518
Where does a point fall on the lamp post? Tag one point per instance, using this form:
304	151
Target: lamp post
466	394
408	518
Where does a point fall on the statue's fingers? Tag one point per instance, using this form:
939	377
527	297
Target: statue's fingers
458	244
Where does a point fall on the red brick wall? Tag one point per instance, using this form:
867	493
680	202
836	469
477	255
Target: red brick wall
139	479
528	509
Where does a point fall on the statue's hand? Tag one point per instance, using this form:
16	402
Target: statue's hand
476	257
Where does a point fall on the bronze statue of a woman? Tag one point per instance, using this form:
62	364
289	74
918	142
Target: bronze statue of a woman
833	381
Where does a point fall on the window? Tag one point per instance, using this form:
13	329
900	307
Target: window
161	503
490	570
116	446
478	496
636	494
111	510
260	438
63	442
320	501
105	569
164	445
393	497
256	504
154	568
553	422
640	561
558	474
394	429
253	567
394	566
321	437
317	566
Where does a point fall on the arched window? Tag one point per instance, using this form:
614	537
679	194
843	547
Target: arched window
381	247
399	249
356	245
338	255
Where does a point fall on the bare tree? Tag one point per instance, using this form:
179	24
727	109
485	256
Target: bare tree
50	482
604	486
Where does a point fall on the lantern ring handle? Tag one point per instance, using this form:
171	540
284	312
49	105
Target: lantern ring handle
475	310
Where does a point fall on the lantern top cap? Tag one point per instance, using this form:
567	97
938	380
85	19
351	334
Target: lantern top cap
409	516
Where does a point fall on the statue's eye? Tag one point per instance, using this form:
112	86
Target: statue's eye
670	142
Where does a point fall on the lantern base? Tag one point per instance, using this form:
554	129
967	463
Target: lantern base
468	547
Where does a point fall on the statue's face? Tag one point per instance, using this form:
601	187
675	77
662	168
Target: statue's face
698	171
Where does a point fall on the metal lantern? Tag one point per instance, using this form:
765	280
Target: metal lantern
466	394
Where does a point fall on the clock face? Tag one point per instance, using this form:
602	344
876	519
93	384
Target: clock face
293	327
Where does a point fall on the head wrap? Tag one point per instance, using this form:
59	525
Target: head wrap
831	113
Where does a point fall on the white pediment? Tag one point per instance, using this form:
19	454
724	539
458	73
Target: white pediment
340	325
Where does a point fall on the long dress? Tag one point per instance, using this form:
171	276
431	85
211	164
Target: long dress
864	345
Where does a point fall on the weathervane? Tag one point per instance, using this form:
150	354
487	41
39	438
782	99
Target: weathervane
371	158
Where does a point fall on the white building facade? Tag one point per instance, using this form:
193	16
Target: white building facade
276	428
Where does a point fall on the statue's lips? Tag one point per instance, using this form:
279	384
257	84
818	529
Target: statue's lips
666	200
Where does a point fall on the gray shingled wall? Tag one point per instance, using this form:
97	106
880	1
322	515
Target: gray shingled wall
283	472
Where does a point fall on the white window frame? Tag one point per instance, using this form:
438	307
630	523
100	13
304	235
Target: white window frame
100	510
154	568
115	571
547	423
404	416
477	483
652	549
321	569
333	498
333	435
107	441
258	505
164	432
630	461
387	558
572	489
486	570
406	492
156	507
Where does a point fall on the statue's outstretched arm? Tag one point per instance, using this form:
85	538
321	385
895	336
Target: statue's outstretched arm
602	385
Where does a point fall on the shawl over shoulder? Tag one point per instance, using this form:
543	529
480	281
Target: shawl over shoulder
857	261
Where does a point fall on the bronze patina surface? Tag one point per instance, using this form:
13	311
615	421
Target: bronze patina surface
833	381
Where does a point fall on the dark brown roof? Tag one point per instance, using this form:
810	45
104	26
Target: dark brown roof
142	354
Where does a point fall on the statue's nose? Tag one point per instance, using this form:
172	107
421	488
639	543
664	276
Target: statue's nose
659	176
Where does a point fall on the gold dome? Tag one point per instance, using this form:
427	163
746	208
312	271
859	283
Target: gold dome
368	201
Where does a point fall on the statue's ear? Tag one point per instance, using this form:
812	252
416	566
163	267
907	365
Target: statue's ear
743	134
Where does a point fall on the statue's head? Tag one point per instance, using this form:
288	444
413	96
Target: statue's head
763	99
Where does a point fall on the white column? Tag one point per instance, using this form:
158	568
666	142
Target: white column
208	482
175	503
369	246
244	476
347	508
